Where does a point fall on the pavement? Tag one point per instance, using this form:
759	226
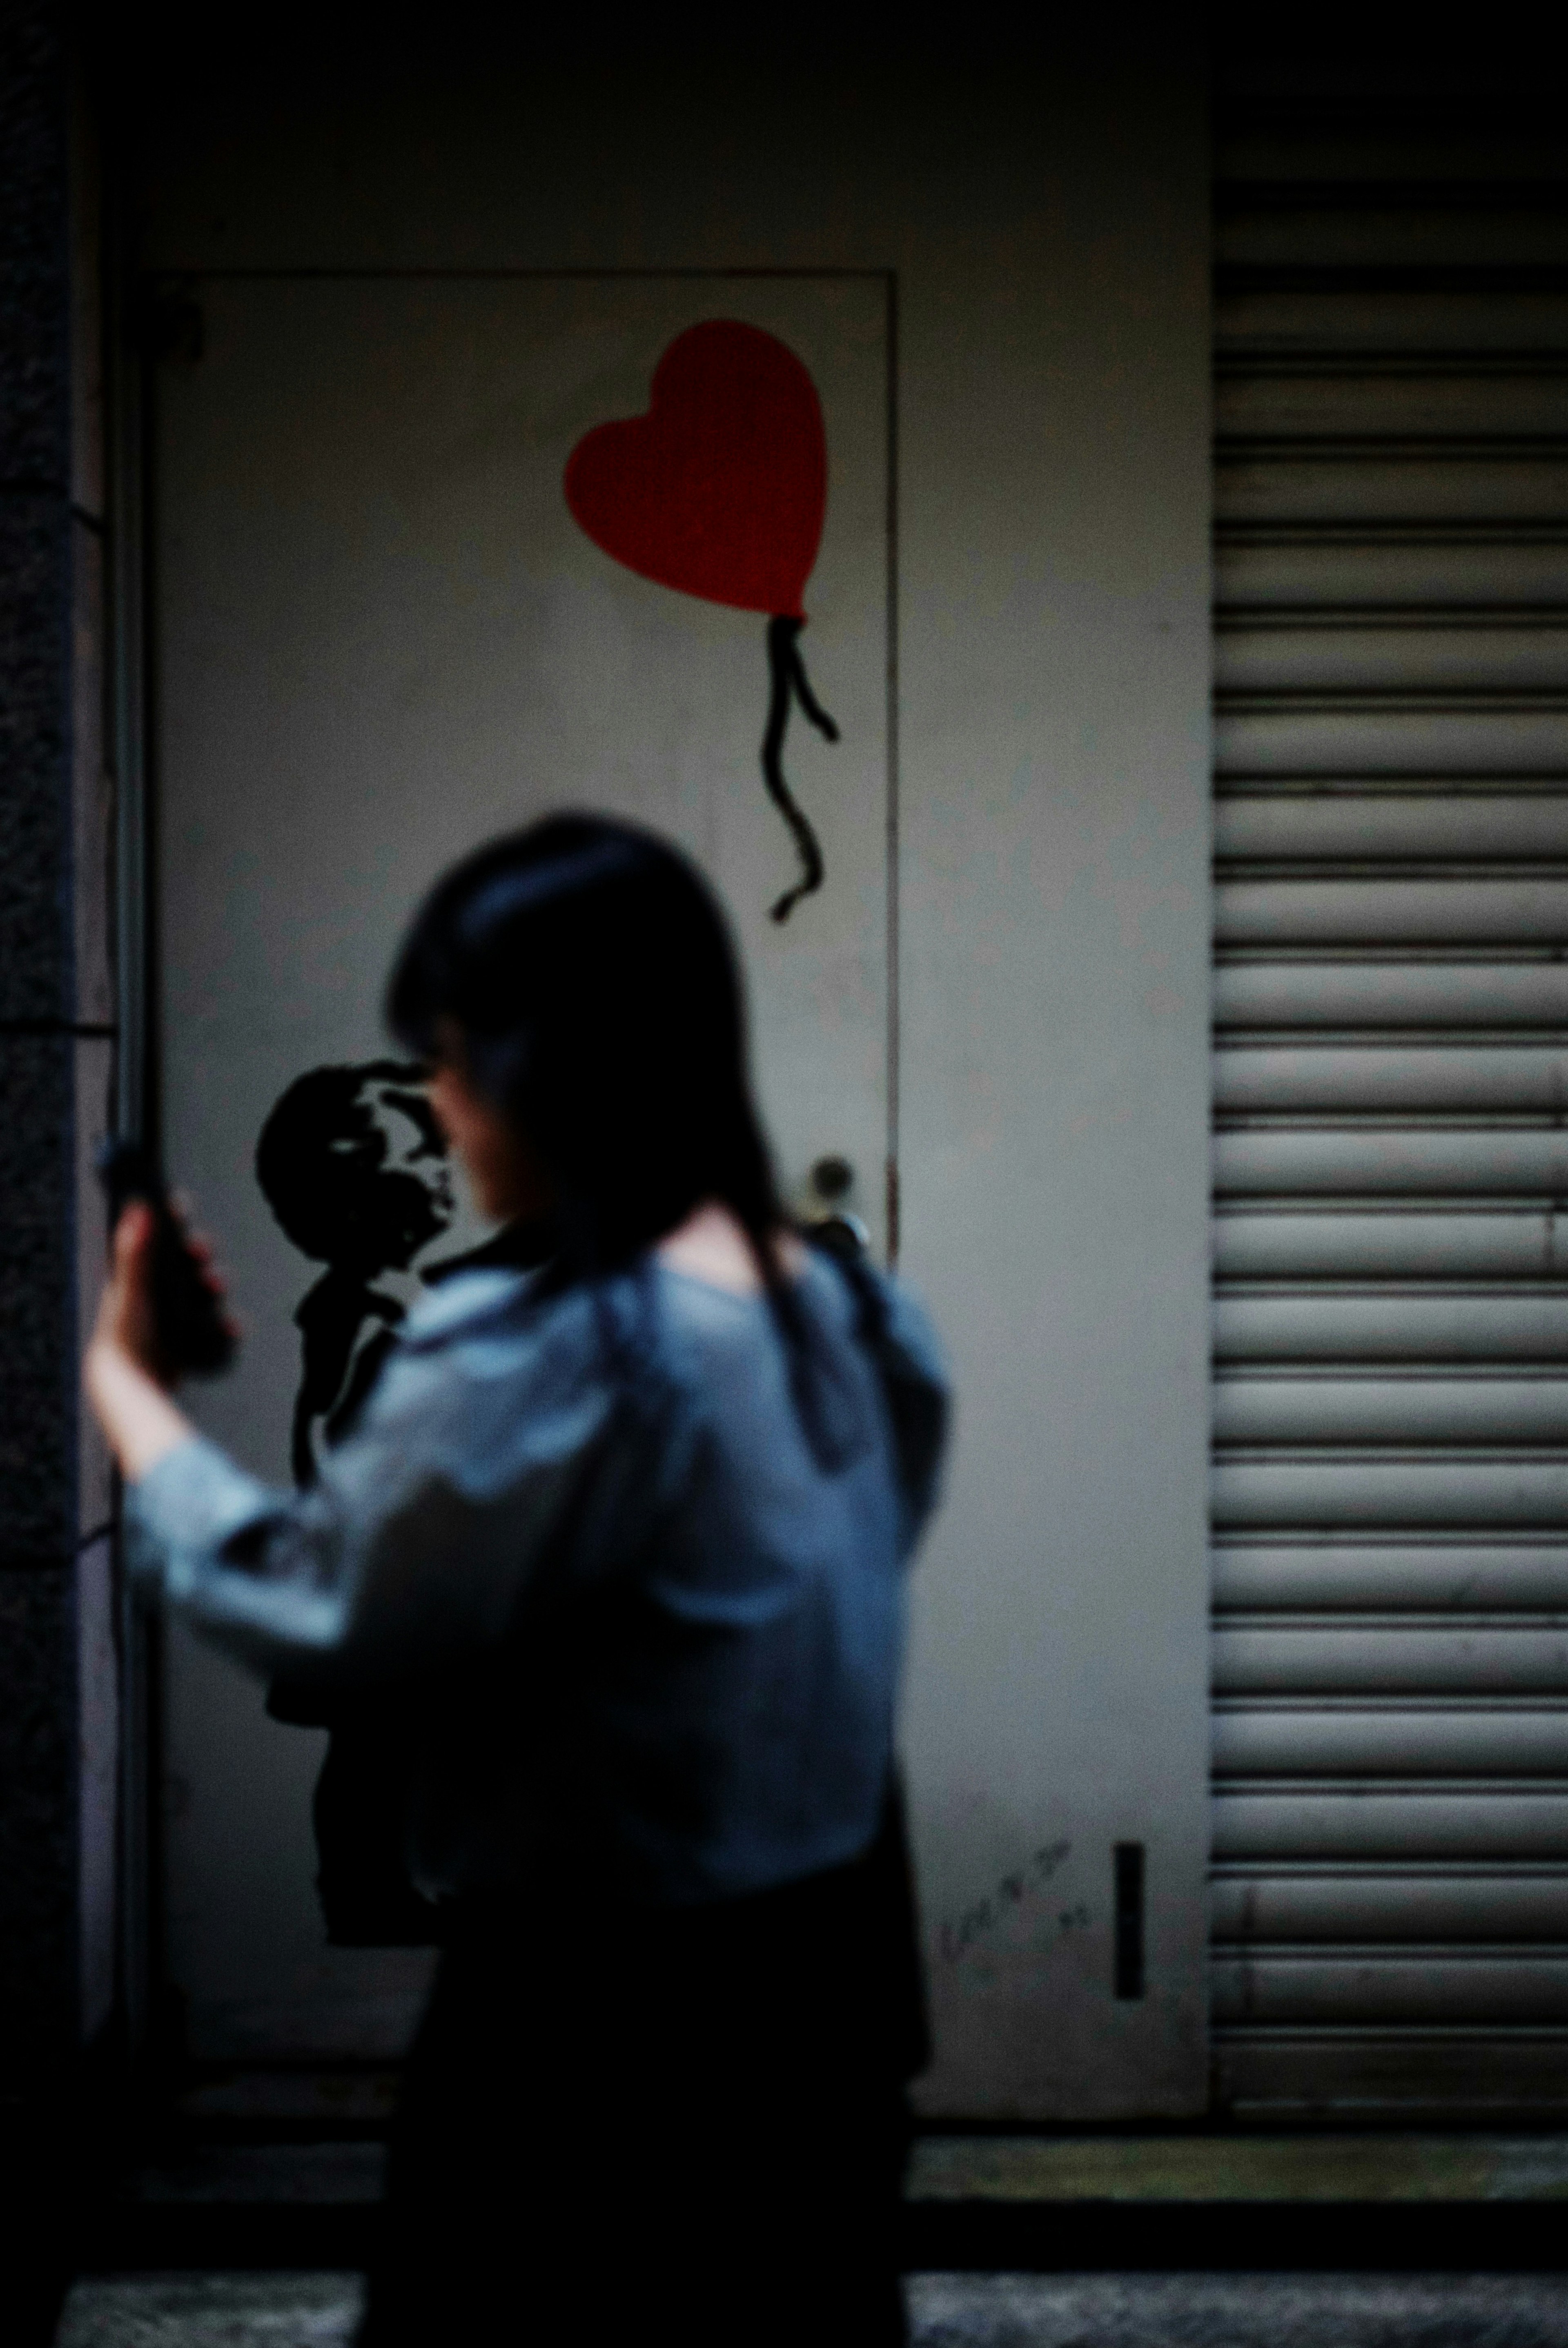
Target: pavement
210	2311
946	2311
1376	2239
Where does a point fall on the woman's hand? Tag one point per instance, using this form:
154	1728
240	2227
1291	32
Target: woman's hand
125	1381
126	1323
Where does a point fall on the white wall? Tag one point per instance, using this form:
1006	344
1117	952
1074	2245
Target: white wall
1048	220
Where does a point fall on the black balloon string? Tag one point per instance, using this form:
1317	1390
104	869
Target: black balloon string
787	682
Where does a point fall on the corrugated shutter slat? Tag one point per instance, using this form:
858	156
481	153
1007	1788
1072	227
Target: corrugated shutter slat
1390	1497
1261	1827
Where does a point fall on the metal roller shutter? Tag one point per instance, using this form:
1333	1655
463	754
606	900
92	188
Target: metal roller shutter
1390	1885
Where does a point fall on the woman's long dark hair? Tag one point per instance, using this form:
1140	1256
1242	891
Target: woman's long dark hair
589	971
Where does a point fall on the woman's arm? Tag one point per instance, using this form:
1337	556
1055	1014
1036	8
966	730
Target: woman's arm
133	1404
413	1543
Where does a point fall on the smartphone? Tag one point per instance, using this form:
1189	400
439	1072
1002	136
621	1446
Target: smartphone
193	1336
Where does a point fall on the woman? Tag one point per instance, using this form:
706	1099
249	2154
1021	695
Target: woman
625	1537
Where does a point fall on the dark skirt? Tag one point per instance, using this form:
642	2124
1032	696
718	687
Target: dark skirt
690	2121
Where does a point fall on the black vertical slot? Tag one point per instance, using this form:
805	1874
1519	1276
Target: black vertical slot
1129	1919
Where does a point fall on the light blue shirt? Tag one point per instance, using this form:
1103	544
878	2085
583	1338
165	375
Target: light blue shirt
635	1595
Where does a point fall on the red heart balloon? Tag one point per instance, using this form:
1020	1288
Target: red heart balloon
721	488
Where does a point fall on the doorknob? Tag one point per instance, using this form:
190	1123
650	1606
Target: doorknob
832	1225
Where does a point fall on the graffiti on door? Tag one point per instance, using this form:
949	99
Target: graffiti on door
354	1167
721	491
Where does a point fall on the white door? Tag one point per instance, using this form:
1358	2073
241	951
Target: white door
383	637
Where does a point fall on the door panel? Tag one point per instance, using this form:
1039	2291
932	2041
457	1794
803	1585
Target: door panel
382	638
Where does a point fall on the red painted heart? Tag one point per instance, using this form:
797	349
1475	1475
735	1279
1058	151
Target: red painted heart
721	488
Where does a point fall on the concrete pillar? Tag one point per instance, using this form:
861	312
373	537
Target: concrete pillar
57	1670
